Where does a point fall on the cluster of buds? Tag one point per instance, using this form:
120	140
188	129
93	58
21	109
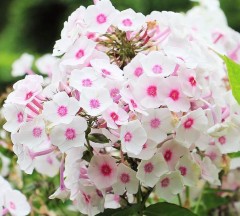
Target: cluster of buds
135	105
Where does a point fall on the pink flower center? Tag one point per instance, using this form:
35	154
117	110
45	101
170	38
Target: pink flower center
188	123
101	18
128	137
145	146
86	83
148	167
152	91
157	69
37	132
49	160
183	170
174	94
114	92
138	72
94	104
28	95
155	123
91	35
12	205
127	22
70	134
134	105
87	198
222	140
125	178
168	155
106	170
20	117
192	81
62	111
114	116
79	54
106	72
212	156
165	182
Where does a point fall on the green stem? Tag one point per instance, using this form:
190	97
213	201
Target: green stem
198	203
179	199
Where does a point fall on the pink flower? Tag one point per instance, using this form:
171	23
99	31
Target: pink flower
102	171
61	109
126	180
158	123
67	136
172	95
133	137
150	170
169	186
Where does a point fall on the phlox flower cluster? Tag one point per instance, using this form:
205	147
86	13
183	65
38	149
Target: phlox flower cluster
131	103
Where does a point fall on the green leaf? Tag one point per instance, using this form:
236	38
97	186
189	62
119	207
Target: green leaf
98	138
167	209
129	211
234	155
234	76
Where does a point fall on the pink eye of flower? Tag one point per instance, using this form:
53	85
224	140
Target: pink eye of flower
28	95
133	103
62	111
222	140
106	170
174	94
157	69
37	132
212	156
168	155
148	167
114	116
20	117
70	134
188	124
128	137
114	92
101	18
155	123
99	193
192	81
127	22
94	104
87	198
152	91
106	72
165	182
49	160
183	170
86	83
79	54
145	146
12	205
125	178
138	72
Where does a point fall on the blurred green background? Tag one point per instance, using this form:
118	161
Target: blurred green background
34	25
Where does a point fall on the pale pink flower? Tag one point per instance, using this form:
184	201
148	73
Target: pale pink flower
99	17
190	127
169	186
85	78
15	116
95	100
102	171
46	64
156	64
150	170
171	94
115	116
172	151
129	20
126	180
67	136
158	123
61	109
133	137
78	52
22	65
